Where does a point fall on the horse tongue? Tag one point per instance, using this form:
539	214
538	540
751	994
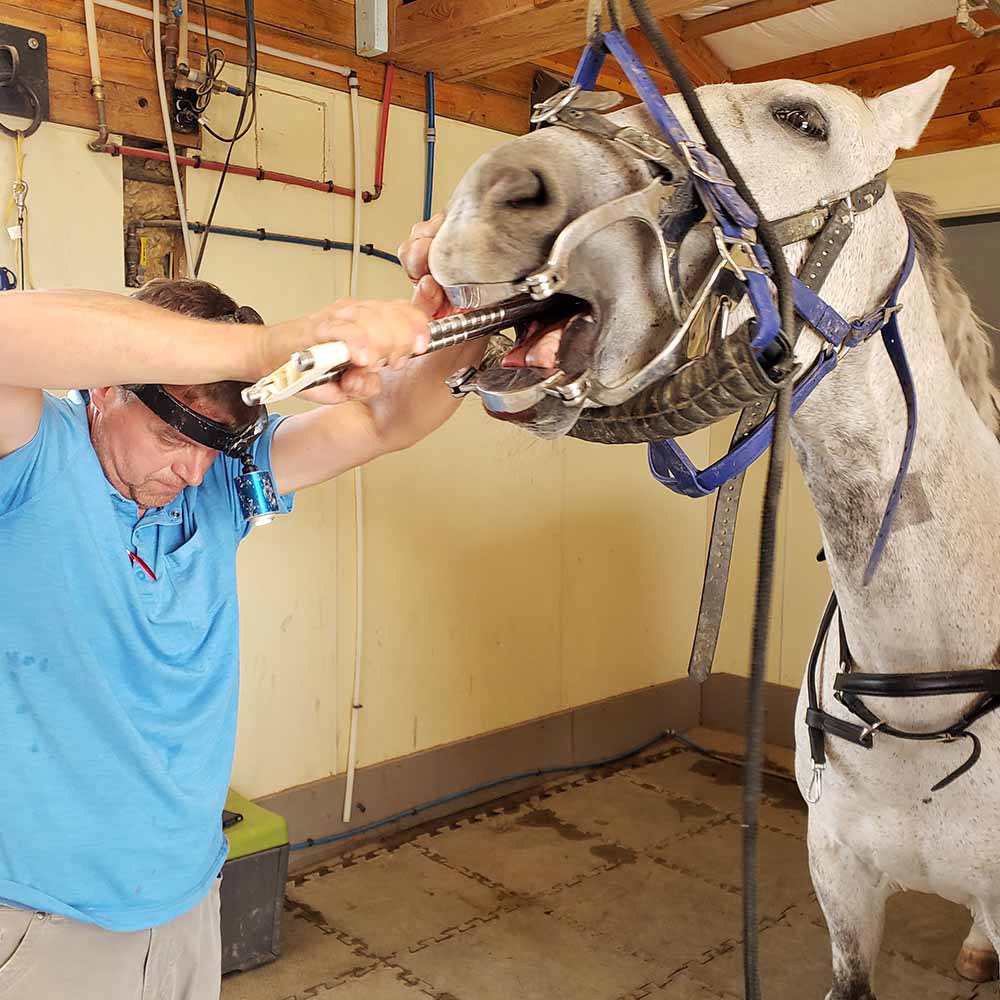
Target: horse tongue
537	351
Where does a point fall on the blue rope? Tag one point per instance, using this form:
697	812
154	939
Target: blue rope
483	786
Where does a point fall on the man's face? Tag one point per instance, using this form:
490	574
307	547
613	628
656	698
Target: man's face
143	457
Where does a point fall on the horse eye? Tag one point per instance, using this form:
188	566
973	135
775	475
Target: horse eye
806	120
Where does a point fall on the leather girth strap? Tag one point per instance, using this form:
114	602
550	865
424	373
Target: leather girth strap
831	226
850	684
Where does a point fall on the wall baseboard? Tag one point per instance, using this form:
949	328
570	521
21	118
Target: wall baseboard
724	706
590	732
574	737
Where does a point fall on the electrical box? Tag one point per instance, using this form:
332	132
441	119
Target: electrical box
371	22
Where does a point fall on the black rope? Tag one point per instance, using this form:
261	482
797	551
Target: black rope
782	279
249	94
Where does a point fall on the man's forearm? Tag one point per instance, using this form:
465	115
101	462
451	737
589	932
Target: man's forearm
67	339
416	402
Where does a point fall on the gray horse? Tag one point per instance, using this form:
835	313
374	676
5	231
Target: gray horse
933	605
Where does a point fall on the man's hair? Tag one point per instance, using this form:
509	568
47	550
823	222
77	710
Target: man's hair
203	300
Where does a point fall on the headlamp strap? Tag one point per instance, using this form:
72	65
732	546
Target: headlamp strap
197	427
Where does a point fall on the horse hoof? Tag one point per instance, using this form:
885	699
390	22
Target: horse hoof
978	965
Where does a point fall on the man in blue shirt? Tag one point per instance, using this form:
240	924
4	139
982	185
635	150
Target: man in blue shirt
119	525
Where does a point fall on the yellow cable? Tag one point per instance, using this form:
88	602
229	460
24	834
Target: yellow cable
24	280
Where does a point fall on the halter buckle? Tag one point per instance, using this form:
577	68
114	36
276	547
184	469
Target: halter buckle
549	109
872	729
687	147
726	248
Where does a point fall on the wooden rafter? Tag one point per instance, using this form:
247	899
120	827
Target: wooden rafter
939	40
702	65
462	39
749	13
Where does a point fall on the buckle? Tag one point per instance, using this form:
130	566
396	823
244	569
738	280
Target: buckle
687	147
645	145
550	108
726	248
872	729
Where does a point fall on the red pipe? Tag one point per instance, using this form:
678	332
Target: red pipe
383	132
198	163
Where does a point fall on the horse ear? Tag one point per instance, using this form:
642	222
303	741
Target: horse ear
904	113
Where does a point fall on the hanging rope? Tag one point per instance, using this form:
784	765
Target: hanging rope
17	215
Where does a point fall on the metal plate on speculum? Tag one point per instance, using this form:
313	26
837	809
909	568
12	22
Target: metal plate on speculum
33	70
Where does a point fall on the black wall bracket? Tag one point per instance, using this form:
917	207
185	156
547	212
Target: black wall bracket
24	70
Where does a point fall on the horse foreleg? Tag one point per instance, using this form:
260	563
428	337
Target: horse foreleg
853	897
977	961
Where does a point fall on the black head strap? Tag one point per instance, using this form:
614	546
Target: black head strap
199	428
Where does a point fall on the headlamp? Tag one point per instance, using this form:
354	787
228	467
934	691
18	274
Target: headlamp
258	497
254	487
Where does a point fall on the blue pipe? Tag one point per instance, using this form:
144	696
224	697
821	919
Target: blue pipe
483	786
431	138
265	237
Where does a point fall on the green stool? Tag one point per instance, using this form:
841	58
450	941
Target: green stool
253	886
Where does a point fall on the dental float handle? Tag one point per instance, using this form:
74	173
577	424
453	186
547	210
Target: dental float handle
326	362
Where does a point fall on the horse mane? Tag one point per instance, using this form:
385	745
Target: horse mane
965	334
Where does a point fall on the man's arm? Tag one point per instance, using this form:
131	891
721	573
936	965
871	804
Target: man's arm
313	447
82	339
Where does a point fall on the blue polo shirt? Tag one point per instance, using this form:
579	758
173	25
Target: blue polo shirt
118	692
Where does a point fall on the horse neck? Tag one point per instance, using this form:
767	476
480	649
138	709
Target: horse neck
933	602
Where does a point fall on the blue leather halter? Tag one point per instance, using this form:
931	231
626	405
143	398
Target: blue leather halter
737	223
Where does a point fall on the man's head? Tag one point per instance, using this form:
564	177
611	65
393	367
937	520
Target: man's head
143	457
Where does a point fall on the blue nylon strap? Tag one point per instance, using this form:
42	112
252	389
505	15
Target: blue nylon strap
671	466
897	355
589	67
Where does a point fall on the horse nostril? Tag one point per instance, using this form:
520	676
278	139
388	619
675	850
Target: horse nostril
537	197
519	188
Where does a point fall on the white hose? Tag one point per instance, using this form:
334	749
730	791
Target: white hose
358	198
96	80
95	58
221	36
168	129
182	51
359	510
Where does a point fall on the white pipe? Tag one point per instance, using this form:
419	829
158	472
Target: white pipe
127	8
359	510
182	52
95	58
358	193
168	129
96	80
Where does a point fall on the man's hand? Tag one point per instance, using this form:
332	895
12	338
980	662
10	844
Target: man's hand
428	295
377	334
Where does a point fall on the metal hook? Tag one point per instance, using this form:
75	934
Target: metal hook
815	792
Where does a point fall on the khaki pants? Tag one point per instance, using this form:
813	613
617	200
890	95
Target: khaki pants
46	957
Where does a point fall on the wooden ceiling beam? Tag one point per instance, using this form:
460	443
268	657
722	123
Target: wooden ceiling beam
942	36
748	13
461	39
